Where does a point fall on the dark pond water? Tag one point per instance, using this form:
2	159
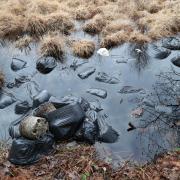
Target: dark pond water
141	144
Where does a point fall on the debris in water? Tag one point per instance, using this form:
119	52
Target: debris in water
103	52
137	112
131	127
97	92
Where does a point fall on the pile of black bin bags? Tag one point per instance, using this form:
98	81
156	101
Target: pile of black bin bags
73	119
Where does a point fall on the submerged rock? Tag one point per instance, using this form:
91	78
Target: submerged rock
172	43
22	107
33	127
97	92
85	74
40	98
103	77
6	101
46	65
176	61
18	82
17	64
162	53
130	89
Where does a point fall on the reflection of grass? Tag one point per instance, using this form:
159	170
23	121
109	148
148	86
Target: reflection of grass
1	79
139	20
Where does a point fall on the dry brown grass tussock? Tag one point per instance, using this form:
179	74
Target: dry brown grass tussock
60	22
83	48
95	25
53	45
114	39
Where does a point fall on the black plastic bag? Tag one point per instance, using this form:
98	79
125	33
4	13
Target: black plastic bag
65	121
70	99
26	152
87	132
106	133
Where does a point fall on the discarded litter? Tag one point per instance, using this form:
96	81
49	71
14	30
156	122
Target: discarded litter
68	118
103	52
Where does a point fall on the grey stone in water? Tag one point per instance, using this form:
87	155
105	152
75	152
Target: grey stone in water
121	61
6	101
17	64
103	77
176	61
163	109
130	89
42	97
22	107
162	53
172	43
46	65
97	92
121	101
85	74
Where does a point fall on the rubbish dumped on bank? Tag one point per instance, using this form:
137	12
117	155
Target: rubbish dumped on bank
67	118
25	152
33	127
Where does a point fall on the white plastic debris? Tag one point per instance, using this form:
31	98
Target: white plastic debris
103	52
138	50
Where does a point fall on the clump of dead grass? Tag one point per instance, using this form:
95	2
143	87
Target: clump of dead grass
114	39
95	25
35	26
83	48
60	22
11	27
85	13
53	45
1	79
23	42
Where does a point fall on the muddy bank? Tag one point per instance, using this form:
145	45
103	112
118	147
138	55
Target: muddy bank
72	161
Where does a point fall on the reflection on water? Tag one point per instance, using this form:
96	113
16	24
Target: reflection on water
155	129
